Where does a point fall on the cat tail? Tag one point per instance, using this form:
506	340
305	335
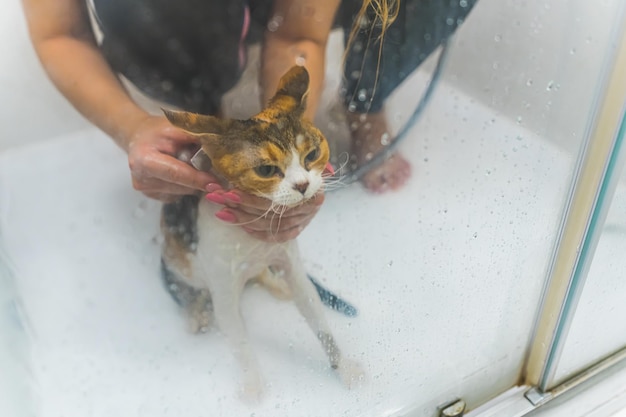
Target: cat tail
332	300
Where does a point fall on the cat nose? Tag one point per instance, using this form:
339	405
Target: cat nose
302	186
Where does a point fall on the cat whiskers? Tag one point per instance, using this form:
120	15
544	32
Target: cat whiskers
277	209
333	182
261	216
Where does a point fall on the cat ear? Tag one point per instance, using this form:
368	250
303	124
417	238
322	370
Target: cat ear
291	94
295	83
198	123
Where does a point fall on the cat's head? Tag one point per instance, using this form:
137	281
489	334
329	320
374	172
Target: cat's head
276	154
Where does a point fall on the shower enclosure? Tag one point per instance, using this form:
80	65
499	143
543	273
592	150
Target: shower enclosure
489	285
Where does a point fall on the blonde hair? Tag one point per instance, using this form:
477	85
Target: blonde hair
385	13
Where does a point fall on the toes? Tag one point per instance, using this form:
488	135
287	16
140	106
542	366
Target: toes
392	175
351	373
400	175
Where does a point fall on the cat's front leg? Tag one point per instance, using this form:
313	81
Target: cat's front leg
308	303
229	320
350	372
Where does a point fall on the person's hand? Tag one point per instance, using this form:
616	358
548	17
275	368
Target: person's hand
152	157
253	214
157	173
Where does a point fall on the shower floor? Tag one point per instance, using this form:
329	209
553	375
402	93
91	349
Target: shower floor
446	273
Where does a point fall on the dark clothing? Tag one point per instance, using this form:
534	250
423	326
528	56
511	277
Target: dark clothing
184	53
187	52
371	73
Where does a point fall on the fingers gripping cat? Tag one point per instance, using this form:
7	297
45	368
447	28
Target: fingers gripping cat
278	155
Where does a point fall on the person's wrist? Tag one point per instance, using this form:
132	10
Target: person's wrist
130	121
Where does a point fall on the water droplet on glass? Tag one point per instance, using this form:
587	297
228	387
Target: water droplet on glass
301	60
550	86
497	38
390	263
351	107
519	137
364	22
488	172
274	23
572	51
475	235
362	95
463	3
140	210
384	139
519	120
529	82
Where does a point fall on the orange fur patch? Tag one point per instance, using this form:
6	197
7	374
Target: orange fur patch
237	147
175	251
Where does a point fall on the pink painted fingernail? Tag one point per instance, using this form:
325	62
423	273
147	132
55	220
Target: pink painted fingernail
216	198
212	187
232	197
330	168
226	216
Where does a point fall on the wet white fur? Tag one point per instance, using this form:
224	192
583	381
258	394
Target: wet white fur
285	194
227	258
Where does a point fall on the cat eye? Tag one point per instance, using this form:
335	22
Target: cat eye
313	155
267	171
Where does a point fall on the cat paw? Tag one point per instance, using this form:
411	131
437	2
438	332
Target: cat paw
199	321
252	390
351	373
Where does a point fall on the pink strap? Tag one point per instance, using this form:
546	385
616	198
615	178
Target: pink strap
244	33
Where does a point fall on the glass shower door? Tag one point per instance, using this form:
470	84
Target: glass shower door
448	273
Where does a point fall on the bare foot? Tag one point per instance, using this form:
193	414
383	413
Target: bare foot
351	373
370	135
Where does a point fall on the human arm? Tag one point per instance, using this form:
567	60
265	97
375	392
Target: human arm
297	34
63	40
62	37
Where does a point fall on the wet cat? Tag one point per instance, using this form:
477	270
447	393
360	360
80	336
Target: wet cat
278	155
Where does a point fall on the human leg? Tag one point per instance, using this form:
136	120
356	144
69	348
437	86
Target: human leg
373	71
